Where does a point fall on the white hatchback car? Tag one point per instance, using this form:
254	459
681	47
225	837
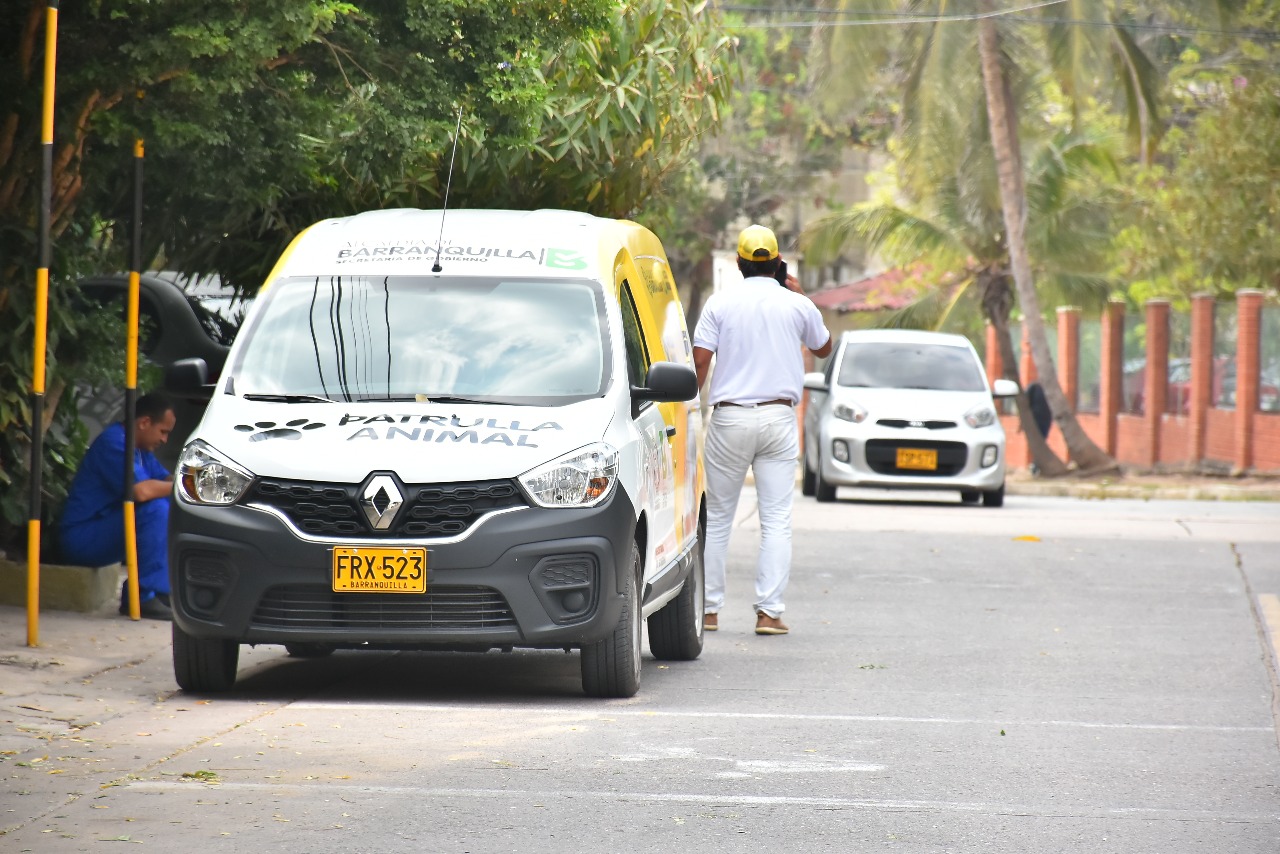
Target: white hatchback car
904	409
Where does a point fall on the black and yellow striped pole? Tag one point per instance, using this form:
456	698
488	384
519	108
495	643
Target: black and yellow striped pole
41	326
131	387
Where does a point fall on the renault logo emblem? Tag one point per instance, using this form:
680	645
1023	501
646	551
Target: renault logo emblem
381	501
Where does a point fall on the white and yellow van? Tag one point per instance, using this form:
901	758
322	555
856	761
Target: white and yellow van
481	435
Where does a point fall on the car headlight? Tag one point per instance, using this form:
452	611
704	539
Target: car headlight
205	476
581	478
980	416
849	412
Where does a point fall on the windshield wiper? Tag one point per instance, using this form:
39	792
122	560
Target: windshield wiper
288	398
433	398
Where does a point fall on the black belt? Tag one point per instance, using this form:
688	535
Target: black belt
782	401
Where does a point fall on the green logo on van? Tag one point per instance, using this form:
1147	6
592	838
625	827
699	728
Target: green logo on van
565	259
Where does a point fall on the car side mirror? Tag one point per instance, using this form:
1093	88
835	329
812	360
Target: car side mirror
816	381
188	378
1004	388
668	382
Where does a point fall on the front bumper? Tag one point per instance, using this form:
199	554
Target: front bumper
528	577
871	455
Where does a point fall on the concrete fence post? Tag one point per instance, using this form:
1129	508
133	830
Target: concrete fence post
992	359
1069	354
1202	372
1111	377
1155	390
1248	355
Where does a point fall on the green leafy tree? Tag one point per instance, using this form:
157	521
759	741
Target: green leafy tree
259	118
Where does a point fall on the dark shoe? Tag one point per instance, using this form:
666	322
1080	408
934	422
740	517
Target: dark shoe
164	600
766	625
149	609
711	622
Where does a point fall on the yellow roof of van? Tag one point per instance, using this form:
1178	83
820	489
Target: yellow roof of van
408	241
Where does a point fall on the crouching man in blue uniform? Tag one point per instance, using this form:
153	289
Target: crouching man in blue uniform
92	527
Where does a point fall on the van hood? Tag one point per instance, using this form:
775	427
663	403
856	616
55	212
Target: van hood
910	404
420	442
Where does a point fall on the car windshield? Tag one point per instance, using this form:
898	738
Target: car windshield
886	364
536	342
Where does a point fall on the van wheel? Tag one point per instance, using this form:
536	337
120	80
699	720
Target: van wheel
808	482
204	665
675	632
308	650
822	490
611	667
994	498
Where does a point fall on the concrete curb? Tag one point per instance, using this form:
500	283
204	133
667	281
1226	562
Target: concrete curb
62	588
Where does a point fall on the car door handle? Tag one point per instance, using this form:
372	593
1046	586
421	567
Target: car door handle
671	431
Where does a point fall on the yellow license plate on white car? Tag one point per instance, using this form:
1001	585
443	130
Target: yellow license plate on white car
374	570
921	459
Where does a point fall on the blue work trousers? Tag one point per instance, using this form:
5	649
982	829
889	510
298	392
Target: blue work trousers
101	542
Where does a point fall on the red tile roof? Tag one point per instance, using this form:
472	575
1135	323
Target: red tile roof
887	291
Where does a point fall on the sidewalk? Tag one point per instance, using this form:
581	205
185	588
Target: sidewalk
1148	487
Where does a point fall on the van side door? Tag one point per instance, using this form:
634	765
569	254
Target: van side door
656	469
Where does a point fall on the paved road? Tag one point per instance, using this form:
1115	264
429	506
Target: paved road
1055	675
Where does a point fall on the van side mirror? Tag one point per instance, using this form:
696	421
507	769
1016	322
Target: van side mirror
668	382
816	381
1004	388
188	378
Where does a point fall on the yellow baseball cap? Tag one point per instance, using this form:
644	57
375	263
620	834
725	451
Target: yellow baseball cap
757	243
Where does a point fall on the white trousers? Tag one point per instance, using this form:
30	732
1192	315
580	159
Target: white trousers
766	440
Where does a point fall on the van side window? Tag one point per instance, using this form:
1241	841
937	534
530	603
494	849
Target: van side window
637	354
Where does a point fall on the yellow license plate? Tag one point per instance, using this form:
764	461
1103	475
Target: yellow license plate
373	570
925	459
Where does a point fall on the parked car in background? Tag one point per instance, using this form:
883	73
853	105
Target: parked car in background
1222	390
904	409
178	318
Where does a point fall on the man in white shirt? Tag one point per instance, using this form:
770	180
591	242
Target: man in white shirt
755	332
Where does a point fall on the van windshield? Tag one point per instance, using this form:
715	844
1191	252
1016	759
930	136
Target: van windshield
884	364
535	342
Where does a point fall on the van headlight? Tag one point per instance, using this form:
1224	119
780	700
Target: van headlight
980	416
581	478
205	476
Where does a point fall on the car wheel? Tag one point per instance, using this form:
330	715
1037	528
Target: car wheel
675	632
611	667
994	498
970	496
822	490
808	481
204	665
308	650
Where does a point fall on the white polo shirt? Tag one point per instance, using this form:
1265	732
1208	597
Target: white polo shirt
756	331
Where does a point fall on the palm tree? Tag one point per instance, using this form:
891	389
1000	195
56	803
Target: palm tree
929	60
956	234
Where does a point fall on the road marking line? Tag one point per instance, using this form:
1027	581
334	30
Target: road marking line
605	714
728	800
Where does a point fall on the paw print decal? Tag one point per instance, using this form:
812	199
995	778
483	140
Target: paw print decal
263	430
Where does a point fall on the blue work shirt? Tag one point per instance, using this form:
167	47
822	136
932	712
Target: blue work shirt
97	491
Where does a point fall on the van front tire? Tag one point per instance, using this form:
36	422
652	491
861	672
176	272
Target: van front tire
204	665
675	632
611	667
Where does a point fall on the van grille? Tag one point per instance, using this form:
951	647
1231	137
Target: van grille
431	510
309	606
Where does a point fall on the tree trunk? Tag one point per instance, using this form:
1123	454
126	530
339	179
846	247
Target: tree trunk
1004	142
996	304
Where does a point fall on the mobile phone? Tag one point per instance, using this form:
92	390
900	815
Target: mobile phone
781	274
